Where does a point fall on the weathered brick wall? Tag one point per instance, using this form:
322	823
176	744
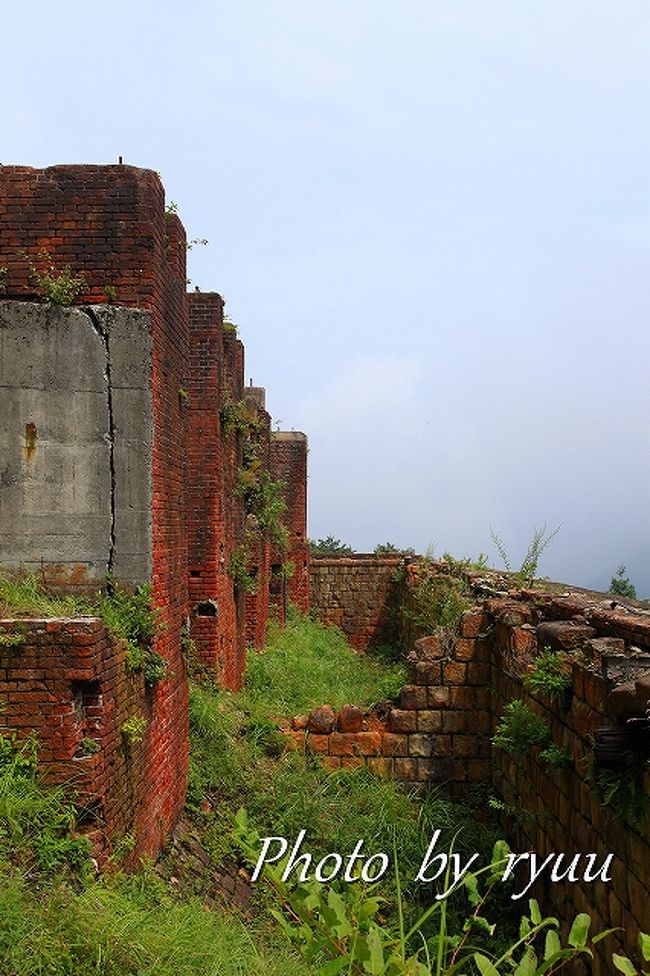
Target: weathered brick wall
358	594
438	732
67	680
289	465
259	546
560	812
212	610
110	224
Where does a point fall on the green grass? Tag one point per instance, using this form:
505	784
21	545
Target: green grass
56	918
306	664
239	758
24	596
127	926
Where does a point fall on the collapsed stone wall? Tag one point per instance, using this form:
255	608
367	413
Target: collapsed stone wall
439	733
115	456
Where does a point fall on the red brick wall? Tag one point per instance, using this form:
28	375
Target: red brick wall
109	222
289	464
68	682
212	611
439	732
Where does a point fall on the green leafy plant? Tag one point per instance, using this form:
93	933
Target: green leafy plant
11	640
229	325
133	729
131	617
59	286
620	585
626	966
90	745
238	416
466	563
111	294
550	674
329	547
520	729
239	569
343	924
556	758
435	600
263	497
623	791
527	572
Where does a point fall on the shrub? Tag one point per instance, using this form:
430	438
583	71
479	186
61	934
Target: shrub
330	547
620	585
520	728
550	675
57	285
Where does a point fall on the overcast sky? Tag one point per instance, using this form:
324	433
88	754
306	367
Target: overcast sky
430	221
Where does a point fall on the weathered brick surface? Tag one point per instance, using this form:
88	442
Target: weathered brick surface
288	462
69	683
357	594
439	732
109	223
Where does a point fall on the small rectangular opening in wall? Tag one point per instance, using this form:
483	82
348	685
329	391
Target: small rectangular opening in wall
207	608
195	573
85	694
277	580
89	812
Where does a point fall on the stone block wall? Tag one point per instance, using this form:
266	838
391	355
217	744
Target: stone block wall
439	733
560	811
437	730
358	594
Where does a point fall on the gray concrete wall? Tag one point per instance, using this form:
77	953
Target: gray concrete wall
75	442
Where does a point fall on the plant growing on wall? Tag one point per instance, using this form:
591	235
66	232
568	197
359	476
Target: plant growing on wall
435	601
59	286
527	572
133	729
131	617
556	758
520	729
239	569
620	585
550	675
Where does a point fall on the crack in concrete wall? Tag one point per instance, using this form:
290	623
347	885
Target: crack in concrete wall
110	436
76	436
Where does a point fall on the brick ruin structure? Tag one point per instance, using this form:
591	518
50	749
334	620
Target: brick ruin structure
131	447
439	731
